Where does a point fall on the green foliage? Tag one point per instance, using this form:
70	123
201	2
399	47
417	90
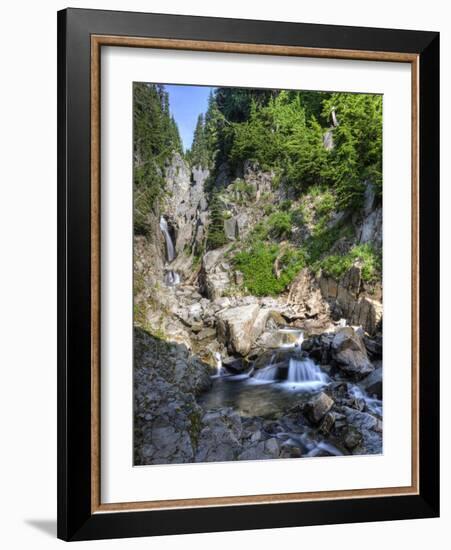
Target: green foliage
285	205
325	204
198	155
279	225
357	152
370	260
257	265
156	138
242	191
216	236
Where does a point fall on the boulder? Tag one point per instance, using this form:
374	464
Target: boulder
318	407
349	352
372	384
364	433
235	328
214	277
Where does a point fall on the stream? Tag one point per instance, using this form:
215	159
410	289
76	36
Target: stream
276	381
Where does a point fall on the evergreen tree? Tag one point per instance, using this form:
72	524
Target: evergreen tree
156	138
216	236
199	154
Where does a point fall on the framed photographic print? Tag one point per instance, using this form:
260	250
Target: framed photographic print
248	274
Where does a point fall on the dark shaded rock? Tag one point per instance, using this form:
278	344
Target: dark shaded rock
372	384
373	346
327	423
352	439
349	352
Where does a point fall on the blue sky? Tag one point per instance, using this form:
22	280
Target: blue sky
186	103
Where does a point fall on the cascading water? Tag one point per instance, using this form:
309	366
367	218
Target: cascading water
219	367
299	374
170	252
305	374
171	278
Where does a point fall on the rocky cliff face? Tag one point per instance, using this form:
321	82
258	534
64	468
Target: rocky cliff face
185	205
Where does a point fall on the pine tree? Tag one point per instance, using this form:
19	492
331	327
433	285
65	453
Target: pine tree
156	137
216	236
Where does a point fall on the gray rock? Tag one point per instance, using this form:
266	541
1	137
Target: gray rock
231	229
219	439
318	407
235	328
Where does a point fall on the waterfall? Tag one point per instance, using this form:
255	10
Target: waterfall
300	374
171	278
304	372
170	252
219	367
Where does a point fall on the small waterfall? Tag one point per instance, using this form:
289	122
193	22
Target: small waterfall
267	375
305	373
170	252
300	374
171	278
219	367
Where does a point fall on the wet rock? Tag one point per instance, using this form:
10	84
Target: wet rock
327	423
373	346
235	365
369	427
349	352
235	328
372	384
352	439
318	407
290	450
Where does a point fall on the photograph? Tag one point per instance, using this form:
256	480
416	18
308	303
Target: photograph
257	274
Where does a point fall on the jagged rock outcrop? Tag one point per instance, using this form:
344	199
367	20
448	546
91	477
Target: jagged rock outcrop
349	352
370	229
349	299
185	204
166	379
305	297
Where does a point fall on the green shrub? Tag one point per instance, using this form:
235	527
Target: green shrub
257	266
279	225
285	205
268	209
336	266
325	204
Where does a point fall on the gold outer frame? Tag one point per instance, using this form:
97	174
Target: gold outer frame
97	41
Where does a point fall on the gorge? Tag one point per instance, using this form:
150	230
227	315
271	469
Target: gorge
257	300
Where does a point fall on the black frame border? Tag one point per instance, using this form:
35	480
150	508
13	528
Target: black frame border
75	520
